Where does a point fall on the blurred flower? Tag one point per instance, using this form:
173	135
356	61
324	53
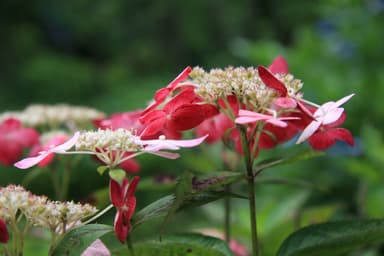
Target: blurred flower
4	236
72	117
14	139
97	248
123	198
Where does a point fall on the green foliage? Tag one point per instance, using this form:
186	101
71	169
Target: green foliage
334	238
78	239
180	245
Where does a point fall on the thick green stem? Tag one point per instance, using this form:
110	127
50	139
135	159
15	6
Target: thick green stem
251	188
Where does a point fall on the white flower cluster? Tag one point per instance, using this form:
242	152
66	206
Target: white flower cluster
53	115
108	140
58	216
244	83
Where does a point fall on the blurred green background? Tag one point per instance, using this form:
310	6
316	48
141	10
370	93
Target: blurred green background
114	54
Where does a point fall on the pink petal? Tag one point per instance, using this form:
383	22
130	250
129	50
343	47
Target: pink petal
168	155
277	122
97	248
279	66
66	145
247	120
308	131
31	161
284	103
332	116
343	100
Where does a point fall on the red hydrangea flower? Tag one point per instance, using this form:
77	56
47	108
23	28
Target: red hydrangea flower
123	198
14	139
181	113
4	236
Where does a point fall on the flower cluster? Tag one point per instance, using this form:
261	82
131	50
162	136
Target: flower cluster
58	217
38	115
266	101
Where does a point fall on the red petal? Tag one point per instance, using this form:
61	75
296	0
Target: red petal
132	186
4	236
151	116
279	66
186	117
344	135
321	141
181	77
10	124
115	193
154	128
184	97
10	152
209	110
122	227
271	81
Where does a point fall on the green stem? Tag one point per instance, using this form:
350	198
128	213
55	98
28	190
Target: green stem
251	189
130	246
227	215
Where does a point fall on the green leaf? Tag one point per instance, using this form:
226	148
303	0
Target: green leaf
183	188
161	207
102	169
332	238
117	175
287	160
215	180
180	245
78	239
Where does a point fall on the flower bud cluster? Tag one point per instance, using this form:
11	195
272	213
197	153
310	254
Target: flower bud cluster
244	83
108	140
54	115
40	211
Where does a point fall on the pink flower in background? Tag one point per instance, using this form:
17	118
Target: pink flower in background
4	236
14	139
326	114
62	148
123	198
97	248
126	120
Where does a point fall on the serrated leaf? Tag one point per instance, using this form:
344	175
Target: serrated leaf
78	239
287	160
215	180
161	207
102	169
180	245
332	238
